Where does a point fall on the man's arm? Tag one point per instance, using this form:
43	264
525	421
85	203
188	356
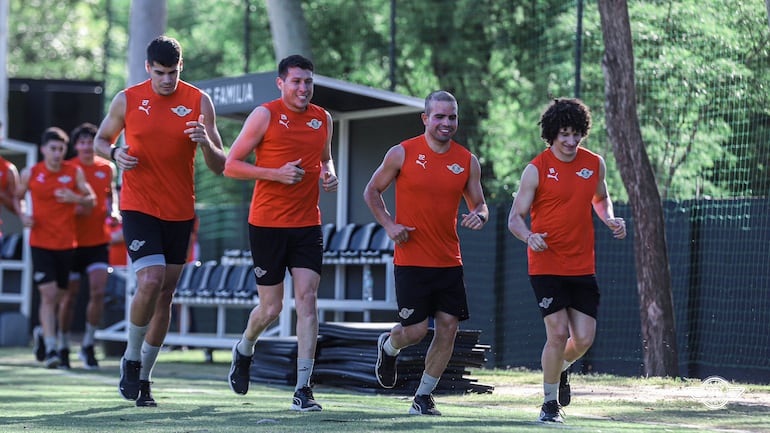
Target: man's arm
602	204
474	199
328	173
8	196
381	179
520	209
208	137
19	201
248	139
111	127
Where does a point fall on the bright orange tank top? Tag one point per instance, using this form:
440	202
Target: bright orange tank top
428	192
4	164
290	136
162	184
562	208
54	222
92	229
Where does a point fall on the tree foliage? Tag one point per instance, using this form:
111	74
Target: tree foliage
701	70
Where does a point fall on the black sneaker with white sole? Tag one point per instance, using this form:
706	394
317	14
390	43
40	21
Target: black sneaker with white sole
385	370
38	343
88	357
424	405
145	395
303	400
240	372
129	379
64	357
551	412
565	392
52	360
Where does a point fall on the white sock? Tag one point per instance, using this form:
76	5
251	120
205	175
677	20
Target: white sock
304	371
149	356
63	340
387	346
567	364
427	384
88	336
550	391
246	347
134	342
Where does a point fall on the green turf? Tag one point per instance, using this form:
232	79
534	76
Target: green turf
193	397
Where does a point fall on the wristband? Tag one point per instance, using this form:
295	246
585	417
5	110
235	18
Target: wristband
112	152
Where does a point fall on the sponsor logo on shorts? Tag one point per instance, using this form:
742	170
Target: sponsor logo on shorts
136	245
545	303
405	313
38	276
259	272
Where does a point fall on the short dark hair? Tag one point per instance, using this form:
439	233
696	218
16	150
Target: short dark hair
165	51
83	130
438	95
53	133
294	61
564	113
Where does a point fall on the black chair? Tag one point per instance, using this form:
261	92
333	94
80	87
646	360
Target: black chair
359	241
249	288
327	230
339	241
199	278
214	282
235	280
12	247
380	245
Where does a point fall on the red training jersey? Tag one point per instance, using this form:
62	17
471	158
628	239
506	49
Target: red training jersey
290	136
4	165
54	222
92	229
562	208
428	192
162	184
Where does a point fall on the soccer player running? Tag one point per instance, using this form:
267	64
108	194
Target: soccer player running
9	178
432	173
557	190
291	139
56	187
165	121
92	253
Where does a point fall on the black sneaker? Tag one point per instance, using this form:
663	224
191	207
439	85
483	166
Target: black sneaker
304	401
551	412
38	343
88	357
145	395
565	393
385	369
240	372
52	360
424	405
64	357
129	379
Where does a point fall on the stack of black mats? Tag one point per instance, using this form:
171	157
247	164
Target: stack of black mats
347	352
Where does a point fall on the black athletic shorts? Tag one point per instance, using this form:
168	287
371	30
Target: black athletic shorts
90	258
556	292
273	250
421	292
152	241
52	265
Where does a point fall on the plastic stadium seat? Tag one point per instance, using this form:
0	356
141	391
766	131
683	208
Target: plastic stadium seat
12	246
215	281
249	288
380	245
198	279
234	281
327	230
359	241
339	241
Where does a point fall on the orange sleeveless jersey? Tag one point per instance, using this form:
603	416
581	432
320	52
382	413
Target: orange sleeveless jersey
54	222
290	136
562	208
92	229
428	192
162	184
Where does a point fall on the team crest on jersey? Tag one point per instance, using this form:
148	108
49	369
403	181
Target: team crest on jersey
100	175
315	124
64	179
455	168
585	173
181	110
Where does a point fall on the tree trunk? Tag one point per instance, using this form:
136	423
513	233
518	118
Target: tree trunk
767	5
289	28
147	22
651	258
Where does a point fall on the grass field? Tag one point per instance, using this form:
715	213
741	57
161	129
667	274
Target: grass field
193	397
